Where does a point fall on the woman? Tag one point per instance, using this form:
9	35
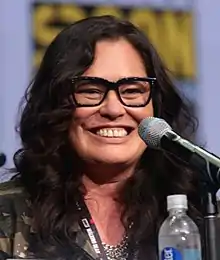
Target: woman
82	164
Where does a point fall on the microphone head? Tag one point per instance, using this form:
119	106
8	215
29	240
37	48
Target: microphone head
2	159
152	129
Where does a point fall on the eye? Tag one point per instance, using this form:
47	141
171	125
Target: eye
132	90
136	87
88	90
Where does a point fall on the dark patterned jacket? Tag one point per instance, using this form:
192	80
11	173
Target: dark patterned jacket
16	225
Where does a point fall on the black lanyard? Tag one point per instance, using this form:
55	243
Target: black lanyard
88	226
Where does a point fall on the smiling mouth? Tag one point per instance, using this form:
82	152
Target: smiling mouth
112	132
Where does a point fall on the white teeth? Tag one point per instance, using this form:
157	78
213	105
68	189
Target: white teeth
112	132
115	133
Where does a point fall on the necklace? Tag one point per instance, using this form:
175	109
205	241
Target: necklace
117	252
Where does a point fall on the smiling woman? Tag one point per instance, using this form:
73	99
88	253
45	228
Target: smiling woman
87	185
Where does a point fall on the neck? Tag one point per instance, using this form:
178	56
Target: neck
104	182
102	187
105	210
100	190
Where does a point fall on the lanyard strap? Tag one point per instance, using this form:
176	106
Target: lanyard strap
88	226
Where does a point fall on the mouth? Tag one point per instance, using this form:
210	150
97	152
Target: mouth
115	132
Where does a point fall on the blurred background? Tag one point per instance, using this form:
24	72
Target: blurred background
185	33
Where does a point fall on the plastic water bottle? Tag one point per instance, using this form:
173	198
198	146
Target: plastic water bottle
179	237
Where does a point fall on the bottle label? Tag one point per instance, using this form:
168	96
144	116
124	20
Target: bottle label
192	254
170	253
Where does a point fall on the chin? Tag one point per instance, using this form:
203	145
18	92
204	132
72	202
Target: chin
115	160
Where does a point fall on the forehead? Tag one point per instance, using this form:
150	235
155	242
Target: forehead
115	59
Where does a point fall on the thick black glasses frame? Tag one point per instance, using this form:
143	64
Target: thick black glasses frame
114	86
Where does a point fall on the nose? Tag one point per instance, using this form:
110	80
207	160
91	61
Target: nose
111	106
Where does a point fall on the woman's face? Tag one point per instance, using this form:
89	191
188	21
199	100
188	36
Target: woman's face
113	60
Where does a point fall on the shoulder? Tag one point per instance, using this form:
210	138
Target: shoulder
13	203
13	199
15	217
11	190
13	208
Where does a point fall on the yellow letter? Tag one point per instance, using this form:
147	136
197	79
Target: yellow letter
71	13
43	31
177	43
146	21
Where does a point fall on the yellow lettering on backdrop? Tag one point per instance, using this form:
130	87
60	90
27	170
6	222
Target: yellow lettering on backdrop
170	33
179	45
145	20
44	28
71	13
43	31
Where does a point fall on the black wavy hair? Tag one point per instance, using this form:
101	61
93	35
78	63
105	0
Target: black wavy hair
48	166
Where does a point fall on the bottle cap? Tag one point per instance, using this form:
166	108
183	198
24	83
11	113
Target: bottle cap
178	201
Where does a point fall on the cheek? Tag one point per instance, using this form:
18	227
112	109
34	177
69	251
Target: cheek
140	113
81	113
78	119
76	136
74	133
81	117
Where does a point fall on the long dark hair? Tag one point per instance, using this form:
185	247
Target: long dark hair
48	166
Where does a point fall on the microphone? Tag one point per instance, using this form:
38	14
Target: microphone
158	134
2	159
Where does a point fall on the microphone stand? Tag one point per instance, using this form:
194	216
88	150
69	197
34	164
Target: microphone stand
210	212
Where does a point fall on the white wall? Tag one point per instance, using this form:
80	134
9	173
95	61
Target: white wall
207	14
15	63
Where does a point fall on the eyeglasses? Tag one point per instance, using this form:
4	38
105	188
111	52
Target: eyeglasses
91	91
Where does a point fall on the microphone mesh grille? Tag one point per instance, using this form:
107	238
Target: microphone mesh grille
152	129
